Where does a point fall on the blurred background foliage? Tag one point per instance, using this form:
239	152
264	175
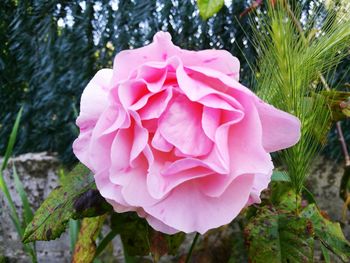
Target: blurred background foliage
49	50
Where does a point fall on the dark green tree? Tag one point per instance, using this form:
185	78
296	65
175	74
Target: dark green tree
50	49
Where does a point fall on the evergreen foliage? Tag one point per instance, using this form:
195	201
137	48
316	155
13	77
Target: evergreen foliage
49	50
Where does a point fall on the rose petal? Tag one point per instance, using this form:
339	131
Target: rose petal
188	210
216	79
181	126
139	142
208	90
280	129
236	144
135	191
127	61
94	98
159	143
110	191
157	224
261	182
245	143
219	60
156	105
132	92
162	48
127	145
93	102
117	118
81	147
100	144
154	74
169	182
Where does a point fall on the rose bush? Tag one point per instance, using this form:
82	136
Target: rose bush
173	135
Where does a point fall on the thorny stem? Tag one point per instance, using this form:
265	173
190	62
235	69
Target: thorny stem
188	258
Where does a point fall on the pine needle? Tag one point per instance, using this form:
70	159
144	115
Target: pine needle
290	64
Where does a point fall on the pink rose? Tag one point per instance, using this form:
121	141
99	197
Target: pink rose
173	135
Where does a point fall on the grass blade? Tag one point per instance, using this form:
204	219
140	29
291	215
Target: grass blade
12	140
105	241
3	186
27	211
28	248
74	227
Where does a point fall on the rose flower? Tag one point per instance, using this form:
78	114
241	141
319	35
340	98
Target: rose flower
172	134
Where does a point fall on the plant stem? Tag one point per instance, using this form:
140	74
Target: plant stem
154	259
188	258
343	144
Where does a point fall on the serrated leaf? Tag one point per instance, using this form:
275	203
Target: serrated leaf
76	198
339	103
208	8
328	232
85	248
284	198
276	238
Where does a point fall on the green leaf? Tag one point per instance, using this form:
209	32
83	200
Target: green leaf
85	248
133	232
309	196
3	187
280	176
325	254
73	230
139	239
28	213
207	8
29	248
328	232
284	198
174	242
105	241
162	244
276	238
76	198
12	140
338	102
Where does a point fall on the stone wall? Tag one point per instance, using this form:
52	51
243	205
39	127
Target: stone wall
324	183
38	172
